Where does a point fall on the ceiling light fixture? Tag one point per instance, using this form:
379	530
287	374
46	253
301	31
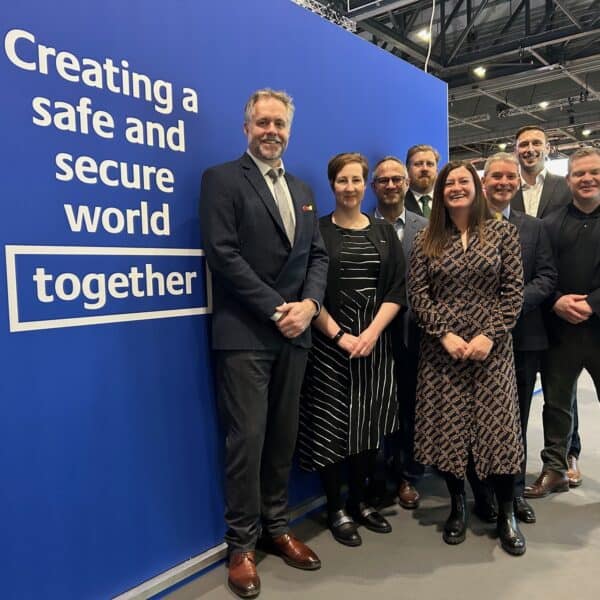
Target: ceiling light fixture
502	146
544	104
586	132
480	71
424	35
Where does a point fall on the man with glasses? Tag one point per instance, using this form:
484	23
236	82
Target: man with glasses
390	185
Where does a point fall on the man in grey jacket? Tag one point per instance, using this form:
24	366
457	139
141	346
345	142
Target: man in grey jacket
390	184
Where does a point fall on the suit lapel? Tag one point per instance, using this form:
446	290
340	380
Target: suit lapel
517	202
547	192
298	200
257	181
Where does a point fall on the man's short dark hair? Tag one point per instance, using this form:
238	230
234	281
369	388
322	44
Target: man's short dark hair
525	128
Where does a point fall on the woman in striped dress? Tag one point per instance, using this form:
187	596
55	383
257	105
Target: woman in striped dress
349	397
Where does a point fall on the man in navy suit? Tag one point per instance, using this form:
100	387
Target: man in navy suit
501	182
540	194
390	185
269	268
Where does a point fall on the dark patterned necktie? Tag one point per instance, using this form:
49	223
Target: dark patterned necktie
424	200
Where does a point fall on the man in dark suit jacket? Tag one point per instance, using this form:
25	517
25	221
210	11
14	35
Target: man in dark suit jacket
269	269
574	321
540	194
390	184
501	181
422	164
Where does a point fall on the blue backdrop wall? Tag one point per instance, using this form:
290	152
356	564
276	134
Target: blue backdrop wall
110	454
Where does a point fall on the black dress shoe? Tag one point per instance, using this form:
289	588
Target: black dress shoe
343	528
523	510
455	528
486	511
366	515
511	538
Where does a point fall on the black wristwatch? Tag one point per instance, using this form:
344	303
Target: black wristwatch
338	336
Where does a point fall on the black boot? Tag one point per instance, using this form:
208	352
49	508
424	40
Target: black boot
455	528
511	538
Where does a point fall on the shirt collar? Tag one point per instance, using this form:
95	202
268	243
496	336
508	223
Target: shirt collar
539	180
418	195
401	217
506	212
264	167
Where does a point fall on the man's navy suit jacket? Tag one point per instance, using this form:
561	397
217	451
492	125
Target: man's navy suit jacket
254	267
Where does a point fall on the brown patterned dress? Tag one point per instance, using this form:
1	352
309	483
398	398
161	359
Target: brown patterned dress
468	407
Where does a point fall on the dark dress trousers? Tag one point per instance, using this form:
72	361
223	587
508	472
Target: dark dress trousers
258	371
529	334
406	336
571	347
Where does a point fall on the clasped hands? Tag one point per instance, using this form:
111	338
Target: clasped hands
295	317
478	348
573	308
361	345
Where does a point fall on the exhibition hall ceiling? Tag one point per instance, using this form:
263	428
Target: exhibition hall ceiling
508	63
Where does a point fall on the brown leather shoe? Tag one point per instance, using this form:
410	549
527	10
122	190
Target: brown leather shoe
547	483
243	578
295	553
408	496
573	474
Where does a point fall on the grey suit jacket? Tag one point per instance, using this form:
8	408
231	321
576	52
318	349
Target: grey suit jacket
555	194
406	327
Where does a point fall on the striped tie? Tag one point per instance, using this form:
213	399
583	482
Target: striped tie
285	210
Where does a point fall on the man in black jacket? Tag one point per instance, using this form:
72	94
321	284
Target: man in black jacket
501	181
574	321
540	194
422	164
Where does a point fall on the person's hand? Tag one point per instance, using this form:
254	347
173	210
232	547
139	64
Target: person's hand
478	348
573	308
296	317
347	343
366	343
454	345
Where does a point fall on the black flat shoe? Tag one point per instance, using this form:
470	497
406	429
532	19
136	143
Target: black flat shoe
455	529
343	528
511	538
523	510
366	515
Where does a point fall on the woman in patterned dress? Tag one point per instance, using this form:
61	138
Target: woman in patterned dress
466	290
349	396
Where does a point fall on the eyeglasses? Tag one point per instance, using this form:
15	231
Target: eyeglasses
396	180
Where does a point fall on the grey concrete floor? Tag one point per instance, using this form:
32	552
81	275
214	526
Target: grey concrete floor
412	562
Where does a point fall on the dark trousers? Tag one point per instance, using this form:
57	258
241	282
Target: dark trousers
527	364
573	348
575	447
403	441
258	395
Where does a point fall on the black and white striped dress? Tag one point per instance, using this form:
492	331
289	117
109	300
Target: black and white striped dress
348	405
